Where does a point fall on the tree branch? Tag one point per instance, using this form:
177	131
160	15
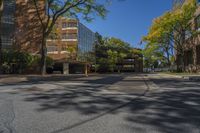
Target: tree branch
38	13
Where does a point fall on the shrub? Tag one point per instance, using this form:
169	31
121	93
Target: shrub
19	62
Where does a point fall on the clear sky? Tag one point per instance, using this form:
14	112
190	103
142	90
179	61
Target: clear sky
129	20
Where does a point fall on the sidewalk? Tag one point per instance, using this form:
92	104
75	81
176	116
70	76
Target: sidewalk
187	77
13	79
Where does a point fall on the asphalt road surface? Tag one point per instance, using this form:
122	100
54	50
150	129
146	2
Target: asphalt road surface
125	103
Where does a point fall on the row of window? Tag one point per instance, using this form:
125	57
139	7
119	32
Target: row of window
69	36
54	48
68	25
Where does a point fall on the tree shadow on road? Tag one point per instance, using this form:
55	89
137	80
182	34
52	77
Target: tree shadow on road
170	111
85	98
175	110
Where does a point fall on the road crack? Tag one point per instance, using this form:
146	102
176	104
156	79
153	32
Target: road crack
7	116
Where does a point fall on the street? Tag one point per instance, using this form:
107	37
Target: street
117	103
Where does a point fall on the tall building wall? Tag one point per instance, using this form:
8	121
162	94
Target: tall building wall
20	26
8	24
62	45
86	39
28	29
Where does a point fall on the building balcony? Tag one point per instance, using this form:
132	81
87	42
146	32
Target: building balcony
69	40
52	52
64	52
50	40
70	28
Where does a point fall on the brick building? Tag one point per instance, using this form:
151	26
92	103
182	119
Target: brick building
191	58
72	46
21	30
20	26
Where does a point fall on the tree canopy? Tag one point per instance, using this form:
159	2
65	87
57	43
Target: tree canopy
111	52
169	31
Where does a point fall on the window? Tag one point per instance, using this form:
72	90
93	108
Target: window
64	25
52	48
64	36
72	36
198	54
69	36
70	24
64	48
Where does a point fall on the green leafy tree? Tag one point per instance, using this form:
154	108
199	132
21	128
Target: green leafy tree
69	8
110	52
19	60
112	59
168	31
152	55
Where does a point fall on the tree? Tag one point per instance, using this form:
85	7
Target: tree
110	53
14	61
112	59
152	56
1	11
169	31
69	8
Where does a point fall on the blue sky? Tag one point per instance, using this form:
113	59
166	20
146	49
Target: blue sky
129	20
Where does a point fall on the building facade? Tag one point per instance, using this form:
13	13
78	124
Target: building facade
191	55
20	27
7	24
71	40
70	44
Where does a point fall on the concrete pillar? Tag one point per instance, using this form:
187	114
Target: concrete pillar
66	68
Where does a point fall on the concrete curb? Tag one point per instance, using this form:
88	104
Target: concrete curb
189	77
192	78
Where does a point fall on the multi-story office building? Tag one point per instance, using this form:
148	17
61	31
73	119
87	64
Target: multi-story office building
71	43
21	30
191	57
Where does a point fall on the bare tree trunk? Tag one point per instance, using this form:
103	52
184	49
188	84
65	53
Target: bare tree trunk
43	55
168	59
166	49
180	64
